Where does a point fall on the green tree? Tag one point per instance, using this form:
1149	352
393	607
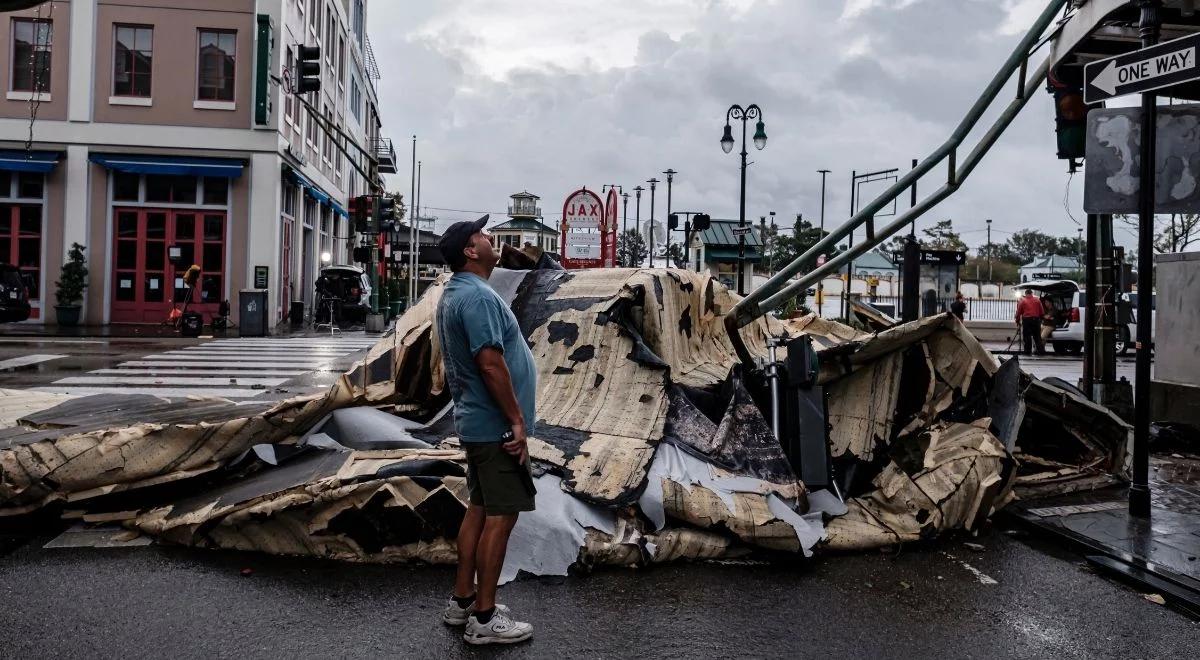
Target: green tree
786	248
941	236
677	255
976	268
1172	233
1029	244
631	249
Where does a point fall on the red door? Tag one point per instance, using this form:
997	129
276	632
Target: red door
21	246
146	281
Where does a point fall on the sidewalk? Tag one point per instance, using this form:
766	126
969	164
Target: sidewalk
146	331
1160	555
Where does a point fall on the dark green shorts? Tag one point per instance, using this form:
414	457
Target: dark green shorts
496	481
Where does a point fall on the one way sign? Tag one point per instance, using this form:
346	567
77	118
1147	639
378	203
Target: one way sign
1169	63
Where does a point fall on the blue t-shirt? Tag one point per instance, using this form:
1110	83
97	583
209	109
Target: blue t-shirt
470	317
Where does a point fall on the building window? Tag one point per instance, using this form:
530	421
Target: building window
289	104
355	100
314	15
359	21
132	58
216	190
32	40
341	62
170	189
330	17
126	186
327	152
218	50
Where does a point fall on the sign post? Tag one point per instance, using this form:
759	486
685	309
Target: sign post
582	231
609	230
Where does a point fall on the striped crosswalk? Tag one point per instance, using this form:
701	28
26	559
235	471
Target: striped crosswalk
241	368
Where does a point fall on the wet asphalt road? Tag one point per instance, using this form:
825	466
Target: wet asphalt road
924	602
74	357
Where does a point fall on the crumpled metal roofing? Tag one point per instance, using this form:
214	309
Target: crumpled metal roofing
649	446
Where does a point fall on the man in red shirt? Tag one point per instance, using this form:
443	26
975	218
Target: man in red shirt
1029	320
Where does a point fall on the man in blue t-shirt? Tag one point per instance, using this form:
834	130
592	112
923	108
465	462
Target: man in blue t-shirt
491	376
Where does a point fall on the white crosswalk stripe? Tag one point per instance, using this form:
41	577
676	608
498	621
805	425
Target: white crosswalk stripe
230	368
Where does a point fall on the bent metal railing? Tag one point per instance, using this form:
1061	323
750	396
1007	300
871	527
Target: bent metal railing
780	288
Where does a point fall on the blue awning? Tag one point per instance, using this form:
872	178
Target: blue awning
315	192
176	165
28	161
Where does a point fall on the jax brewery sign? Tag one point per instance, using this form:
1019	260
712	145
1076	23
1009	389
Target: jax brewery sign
585	232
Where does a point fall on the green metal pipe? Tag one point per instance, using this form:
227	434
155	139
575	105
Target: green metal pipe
751	307
968	165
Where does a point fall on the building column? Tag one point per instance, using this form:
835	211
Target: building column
262	230
83	60
77	209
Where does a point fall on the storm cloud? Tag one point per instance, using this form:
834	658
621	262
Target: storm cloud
549	95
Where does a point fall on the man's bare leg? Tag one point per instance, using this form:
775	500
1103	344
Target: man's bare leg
468	542
489	558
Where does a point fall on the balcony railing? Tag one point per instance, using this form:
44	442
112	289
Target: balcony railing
385	154
525	210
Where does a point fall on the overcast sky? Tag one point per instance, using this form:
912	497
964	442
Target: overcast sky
551	95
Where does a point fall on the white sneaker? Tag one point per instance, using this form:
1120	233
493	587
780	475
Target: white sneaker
500	630
454	615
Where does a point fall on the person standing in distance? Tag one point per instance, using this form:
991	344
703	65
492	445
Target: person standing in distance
492	379
1029	320
959	306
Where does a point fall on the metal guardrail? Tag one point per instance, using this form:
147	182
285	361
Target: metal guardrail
782	287
978	309
524	211
385	154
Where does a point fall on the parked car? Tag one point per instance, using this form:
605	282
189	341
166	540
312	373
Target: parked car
14	295
1068	303
350	286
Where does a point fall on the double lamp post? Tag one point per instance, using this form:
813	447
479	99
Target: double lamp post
736	112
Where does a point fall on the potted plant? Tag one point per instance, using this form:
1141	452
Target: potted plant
71	286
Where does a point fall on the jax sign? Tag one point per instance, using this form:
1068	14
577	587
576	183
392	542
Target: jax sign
588	238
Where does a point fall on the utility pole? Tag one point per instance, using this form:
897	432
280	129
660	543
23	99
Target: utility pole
845	308
414	248
774	235
989	232
1149	23
653	182
820	235
412	225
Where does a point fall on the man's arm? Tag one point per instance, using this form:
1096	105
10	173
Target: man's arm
498	381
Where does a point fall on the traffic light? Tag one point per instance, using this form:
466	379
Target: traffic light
360	213
673	221
385	212
1070	118
309	69
701	222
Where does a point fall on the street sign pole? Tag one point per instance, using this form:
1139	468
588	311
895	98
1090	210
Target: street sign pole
1139	488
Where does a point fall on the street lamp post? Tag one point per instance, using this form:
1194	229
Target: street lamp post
735	112
670	177
821	284
637	225
823	174
624	218
653	182
412	226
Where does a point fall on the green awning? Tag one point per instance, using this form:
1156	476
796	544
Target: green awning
730	255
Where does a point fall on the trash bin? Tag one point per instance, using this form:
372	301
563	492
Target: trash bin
252	305
296	314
